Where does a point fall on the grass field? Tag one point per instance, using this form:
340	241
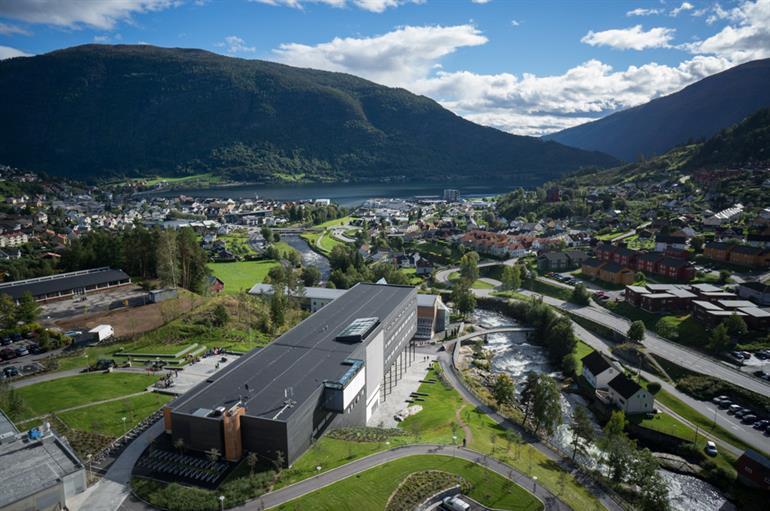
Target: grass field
477	284
581	351
79	390
106	418
544	288
241	275
283	248
337	221
370	490
321	241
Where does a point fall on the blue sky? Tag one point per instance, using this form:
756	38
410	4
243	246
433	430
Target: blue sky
527	67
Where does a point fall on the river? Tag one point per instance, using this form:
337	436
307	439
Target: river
309	256
345	194
513	354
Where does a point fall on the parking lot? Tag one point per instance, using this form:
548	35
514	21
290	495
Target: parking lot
734	416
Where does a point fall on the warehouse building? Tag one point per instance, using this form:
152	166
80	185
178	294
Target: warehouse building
38	470
334	368
66	285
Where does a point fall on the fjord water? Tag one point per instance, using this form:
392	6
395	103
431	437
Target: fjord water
348	194
513	354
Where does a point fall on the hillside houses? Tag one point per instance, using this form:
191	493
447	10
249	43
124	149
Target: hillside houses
742	255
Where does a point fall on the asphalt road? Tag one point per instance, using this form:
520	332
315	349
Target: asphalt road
668	350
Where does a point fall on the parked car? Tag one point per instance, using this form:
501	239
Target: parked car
10	372
749	418
725	404
22	351
742	412
759	373
711	448
717	400
734	409
7	354
761	424
34	349
5	341
16	337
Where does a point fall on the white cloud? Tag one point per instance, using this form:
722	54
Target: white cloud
234	44
745	38
632	38
397	58
481	1
685	6
640	11
102	14
528	104
367	5
6	29
7	52
515	23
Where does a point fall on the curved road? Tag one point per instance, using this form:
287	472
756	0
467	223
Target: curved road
443	275
294	491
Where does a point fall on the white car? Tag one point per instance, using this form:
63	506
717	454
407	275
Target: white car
711	448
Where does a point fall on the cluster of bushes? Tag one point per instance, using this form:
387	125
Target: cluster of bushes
706	387
420	485
365	434
176	497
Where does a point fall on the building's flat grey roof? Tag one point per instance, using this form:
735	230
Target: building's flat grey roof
426	300
706	288
323	293
27	467
707	305
658	295
302	358
755	312
61	283
735	304
637	289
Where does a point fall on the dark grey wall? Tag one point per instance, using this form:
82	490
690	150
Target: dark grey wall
264	437
198	433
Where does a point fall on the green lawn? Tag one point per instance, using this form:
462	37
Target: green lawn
241	275
371	489
79	390
321	241
544	288
581	351
106	418
283	248
477	284
337	221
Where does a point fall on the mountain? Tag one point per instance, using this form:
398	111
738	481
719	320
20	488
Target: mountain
99	110
698	111
746	144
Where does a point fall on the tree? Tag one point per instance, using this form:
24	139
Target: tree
469	267
28	309
311	276
736	326
653	387
617	447
221	317
251	461
511	277
179	445
192	261
580	295
697	243
640	277
636	331
723	276
168	258
7	312
582	430
267	233
503	390
652	488
569	364
277	307
720	339
667	329
463	298
546	406
213	454
527	398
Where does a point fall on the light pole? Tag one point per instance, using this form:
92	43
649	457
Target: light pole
454	443
88	459
222	502
124	425
534	483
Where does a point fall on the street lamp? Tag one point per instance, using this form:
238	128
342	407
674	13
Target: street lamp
88	458
124	425
534	483
222	502
454	443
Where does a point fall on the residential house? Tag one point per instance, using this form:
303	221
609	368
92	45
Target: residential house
757	292
598	370
13	239
627	395
717	251
676	269
590	267
553	261
723	216
760	240
754	470
755	257
423	267
215	285
676	240
576	257
615	273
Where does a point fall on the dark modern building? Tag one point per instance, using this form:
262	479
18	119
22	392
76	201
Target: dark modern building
334	368
66	285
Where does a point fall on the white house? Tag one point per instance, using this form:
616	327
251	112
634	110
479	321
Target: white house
627	395
598	370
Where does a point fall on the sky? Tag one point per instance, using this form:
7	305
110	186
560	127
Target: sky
526	67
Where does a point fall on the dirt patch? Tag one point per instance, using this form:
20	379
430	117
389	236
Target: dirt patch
132	321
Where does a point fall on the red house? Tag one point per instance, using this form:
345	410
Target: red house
215	285
754	470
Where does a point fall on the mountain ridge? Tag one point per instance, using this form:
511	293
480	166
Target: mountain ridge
698	111
103	110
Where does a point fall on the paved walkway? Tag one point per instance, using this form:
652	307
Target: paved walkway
288	493
457	383
110	492
45	377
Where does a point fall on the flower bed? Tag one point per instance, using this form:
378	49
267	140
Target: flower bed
420	485
366	434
